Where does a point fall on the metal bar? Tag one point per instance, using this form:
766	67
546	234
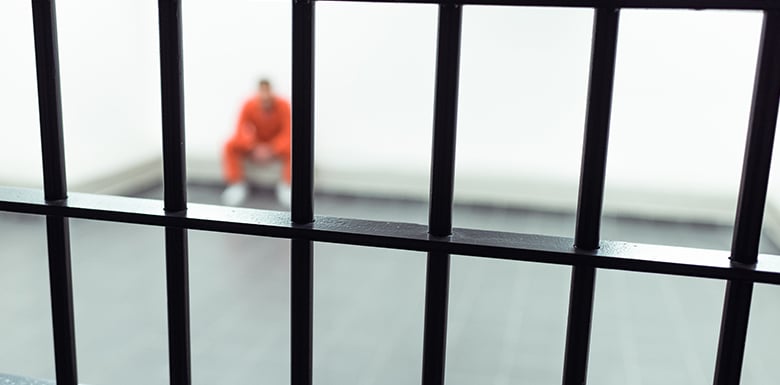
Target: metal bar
301	250
648	4
733	332
55	189
301	310
177	284
591	195
594	149
758	150
678	261
303	112
175	190
49	99
174	159
752	199
445	120
61	286
435	327
442	190
575	361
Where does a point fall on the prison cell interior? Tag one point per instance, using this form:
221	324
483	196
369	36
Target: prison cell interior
585	252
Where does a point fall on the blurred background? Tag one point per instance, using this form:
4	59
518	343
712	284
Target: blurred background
681	101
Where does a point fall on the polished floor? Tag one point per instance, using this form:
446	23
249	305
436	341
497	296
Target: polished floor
506	326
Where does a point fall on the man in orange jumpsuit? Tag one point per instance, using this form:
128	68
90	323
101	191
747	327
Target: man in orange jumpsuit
262	135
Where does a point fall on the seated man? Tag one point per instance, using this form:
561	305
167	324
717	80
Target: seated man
262	135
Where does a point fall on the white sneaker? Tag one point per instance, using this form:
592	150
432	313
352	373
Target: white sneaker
284	194
235	194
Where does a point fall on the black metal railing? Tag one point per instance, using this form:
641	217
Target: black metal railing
586	252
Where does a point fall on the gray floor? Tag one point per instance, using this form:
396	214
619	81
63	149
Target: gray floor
507	319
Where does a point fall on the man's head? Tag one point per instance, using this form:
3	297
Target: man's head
266	94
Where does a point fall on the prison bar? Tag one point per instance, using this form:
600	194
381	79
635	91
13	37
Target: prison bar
591	193
733	332
172	91
575	356
758	149
679	261
177	283
301	311
596	138
301	250
60	282
613	255
751	203
175	190
49	99
441	192
445	120
55	189
647	4
303	111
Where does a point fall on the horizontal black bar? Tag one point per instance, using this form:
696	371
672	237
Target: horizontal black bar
647	4
493	244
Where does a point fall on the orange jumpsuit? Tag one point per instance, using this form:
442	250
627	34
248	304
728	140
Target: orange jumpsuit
257	126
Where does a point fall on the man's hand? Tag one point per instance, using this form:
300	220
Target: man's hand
262	153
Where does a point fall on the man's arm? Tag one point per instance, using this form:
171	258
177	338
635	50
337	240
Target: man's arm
245	129
280	144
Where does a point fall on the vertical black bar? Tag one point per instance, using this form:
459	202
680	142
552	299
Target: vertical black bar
174	183
303	112
445	119
60	282
177	283
752	199
594	148
55	188
301	294
174	169
49	101
760	138
733	332
435	328
301	265
575	361
58	242
591	196
442	189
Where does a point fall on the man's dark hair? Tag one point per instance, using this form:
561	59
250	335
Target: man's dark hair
264	83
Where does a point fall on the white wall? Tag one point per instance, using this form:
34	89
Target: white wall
681	104
19	138
682	93
228	46
110	89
